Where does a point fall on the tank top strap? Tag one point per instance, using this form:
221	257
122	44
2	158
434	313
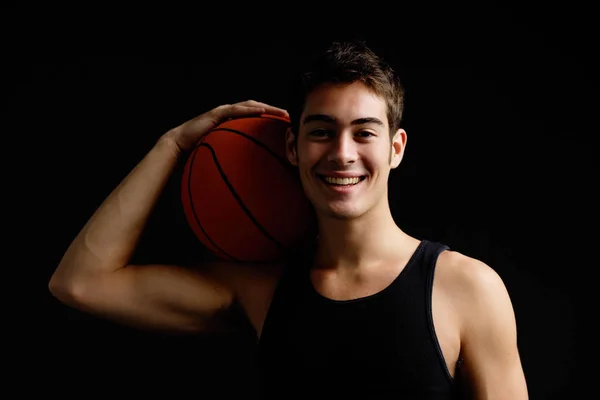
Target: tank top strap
431	252
429	255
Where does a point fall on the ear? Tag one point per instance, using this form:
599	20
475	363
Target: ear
398	146
290	147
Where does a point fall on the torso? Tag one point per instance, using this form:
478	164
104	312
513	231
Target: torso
445	317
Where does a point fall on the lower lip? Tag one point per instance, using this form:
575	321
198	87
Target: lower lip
342	189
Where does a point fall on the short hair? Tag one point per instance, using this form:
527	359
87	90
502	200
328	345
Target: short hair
348	62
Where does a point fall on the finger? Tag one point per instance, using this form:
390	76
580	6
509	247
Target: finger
269	109
276	111
240	111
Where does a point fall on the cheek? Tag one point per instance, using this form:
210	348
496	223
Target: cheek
308	156
377	160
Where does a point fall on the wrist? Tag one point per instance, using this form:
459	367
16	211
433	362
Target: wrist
168	143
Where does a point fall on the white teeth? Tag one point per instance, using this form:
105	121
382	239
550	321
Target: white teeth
342	181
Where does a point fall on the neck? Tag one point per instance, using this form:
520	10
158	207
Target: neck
353	244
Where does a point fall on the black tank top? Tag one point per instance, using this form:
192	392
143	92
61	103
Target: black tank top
379	346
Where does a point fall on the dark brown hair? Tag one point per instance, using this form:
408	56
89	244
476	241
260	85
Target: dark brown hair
348	62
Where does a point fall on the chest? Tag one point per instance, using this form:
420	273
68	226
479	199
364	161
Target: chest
380	324
352	286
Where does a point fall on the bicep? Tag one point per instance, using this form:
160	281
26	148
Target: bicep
157	297
492	363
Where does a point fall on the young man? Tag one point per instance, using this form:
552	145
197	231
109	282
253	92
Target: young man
371	311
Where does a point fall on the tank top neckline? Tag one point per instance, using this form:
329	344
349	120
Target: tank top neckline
411	261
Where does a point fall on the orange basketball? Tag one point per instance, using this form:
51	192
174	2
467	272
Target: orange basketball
241	196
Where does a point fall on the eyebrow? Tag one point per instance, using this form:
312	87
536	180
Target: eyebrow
328	118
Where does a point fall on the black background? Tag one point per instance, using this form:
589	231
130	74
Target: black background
498	166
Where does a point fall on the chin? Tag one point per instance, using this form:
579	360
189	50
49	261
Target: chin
341	213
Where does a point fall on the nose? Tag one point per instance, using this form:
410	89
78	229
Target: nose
342	151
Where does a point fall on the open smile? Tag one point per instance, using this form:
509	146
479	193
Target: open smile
342	185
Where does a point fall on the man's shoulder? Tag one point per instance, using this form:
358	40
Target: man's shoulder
472	287
463	266
256	278
467	278
246	273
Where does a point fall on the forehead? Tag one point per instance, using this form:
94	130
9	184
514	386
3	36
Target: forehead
345	102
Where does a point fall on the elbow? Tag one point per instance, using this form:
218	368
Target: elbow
65	289
56	286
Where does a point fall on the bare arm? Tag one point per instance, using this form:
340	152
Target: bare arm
492	366
94	275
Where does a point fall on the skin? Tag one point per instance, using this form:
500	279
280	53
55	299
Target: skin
361	250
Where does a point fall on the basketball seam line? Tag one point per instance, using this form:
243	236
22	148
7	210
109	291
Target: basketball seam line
191	169
257	142
237	197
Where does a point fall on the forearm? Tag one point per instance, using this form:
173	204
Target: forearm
110	236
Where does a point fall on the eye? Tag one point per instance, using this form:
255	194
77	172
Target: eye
319	133
365	134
